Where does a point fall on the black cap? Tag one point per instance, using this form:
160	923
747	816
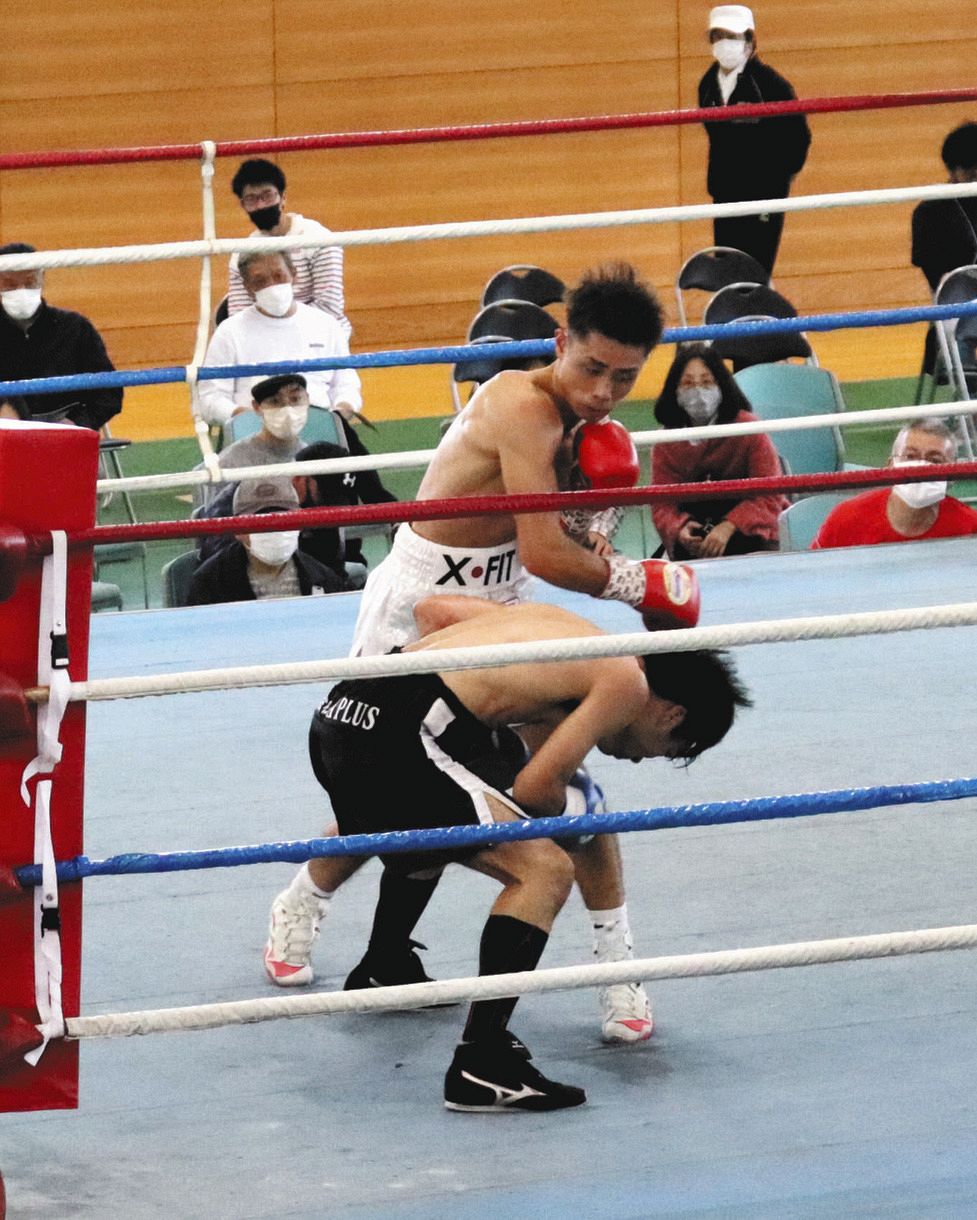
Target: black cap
263	390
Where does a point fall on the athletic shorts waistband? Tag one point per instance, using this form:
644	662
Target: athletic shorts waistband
450	568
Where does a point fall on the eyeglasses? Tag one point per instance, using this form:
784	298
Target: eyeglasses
268	195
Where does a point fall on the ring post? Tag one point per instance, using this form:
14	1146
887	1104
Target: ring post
47	482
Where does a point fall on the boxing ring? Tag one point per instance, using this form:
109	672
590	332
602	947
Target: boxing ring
811	1092
842	1090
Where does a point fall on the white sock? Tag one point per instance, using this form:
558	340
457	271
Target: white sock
612	934
303	886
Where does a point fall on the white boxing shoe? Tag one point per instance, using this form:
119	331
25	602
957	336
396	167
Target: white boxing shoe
292	932
626	1013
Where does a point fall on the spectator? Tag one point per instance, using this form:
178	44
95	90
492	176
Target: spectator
755	158
261	565
38	340
698	390
331	546
944	231
260	186
907	511
283	404
276	327
14	406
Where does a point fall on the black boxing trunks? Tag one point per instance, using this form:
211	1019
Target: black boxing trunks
404	753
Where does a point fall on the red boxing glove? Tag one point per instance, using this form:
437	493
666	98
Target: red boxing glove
606	456
667	594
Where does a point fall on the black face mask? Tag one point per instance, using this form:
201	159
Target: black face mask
266	218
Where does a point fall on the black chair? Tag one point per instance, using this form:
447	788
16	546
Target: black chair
501	322
221	313
716	267
523	282
754	303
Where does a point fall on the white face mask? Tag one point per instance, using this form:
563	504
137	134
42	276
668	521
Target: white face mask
286	423
21	303
919	495
700	403
276	299
274	549
730	53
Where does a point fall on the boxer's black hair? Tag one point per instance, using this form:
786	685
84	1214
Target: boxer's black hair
707	685
614	301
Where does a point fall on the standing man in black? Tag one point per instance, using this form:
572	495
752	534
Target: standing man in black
945	230
38	340
750	158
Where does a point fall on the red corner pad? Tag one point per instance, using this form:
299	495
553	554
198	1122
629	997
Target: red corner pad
17	1037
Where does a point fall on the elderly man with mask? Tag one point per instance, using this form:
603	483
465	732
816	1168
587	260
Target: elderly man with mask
257	566
752	158
276	327
39	340
905	512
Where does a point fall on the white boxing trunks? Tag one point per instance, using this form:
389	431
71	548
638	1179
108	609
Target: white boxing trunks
417	568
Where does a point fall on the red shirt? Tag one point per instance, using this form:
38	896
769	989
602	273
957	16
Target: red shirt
863	521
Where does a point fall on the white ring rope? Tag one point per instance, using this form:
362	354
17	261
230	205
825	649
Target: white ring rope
159	251
825	627
498	986
644	440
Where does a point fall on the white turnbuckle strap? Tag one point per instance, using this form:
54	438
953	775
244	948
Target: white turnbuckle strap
52	671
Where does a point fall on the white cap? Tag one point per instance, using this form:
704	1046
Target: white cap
736	18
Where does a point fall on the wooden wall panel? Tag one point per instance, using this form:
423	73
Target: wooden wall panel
104	47
105	74
365	38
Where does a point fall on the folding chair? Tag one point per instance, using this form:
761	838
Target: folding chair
800	522
501	322
714	268
524	282
786	391
753	303
956	340
177	576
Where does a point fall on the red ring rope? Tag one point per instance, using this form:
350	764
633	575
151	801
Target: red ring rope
471	506
488	131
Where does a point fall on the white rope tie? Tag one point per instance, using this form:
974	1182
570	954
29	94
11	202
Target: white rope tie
441	660
498	986
52	669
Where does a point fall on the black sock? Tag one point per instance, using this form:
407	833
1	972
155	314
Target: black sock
508	945
400	904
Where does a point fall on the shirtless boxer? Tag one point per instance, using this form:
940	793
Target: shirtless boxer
433	750
516	435
521	432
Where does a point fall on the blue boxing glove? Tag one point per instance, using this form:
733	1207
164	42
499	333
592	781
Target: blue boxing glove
584	795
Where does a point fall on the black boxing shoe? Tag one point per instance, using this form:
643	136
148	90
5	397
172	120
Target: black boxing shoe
392	971
491	1077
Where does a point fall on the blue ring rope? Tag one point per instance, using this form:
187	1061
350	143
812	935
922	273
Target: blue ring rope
718	813
485	351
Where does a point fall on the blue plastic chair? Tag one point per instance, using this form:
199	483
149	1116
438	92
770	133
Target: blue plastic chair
800	522
786	391
177	575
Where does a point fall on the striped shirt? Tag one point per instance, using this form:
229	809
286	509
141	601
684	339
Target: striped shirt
318	274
